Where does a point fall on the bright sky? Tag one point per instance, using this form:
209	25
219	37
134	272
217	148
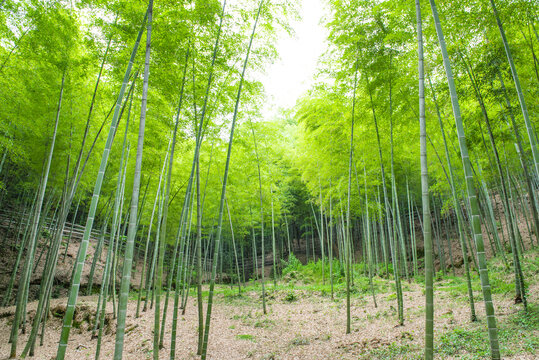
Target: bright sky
292	73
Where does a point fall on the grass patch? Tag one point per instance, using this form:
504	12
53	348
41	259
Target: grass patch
469	344
245	337
265	323
517	335
290	296
395	351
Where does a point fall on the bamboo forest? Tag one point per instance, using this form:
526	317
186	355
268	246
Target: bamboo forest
169	190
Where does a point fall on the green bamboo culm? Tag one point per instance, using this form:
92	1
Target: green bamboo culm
223	192
368	239
274	251
97	256
461	228
144	285
330	240
262	281
427	235
234	247
103	293
165	213
523	106
521	154
182	258
81	256
472	194
100	313
133	213
181	228
196	160
348	231
26	273
391	252
322	232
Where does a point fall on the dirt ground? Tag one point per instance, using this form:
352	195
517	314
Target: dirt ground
311	327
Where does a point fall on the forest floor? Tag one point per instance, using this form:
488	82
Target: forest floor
303	322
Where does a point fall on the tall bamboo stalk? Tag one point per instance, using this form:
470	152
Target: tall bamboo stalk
523	106
472	193
427	237
260	193
392	251
75	283
186	200
223	192
348	231
24	281
132	230
461	228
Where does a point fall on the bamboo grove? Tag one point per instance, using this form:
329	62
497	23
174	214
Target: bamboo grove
138	165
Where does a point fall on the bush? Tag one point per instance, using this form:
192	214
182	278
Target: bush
292	265
290	297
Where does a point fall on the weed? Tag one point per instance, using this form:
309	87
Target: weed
396	351
266	323
299	340
291	296
270	356
464	342
245	337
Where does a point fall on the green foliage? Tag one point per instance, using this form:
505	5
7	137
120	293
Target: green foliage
303	150
309	276
291	296
395	351
245	337
292	265
40	40
264	323
500	285
517	333
465	343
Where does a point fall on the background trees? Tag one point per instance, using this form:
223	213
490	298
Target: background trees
300	181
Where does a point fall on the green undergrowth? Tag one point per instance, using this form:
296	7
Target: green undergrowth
299	281
518	331
395	350
501	278
302	281
245	337
314	273
518	334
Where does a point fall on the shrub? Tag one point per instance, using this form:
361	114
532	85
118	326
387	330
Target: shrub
292	265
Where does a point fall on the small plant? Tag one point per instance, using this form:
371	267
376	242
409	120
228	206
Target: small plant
291	296
292	265
439	275
270	356
245	337
264	323
462	341
45	234
299	340
396	351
